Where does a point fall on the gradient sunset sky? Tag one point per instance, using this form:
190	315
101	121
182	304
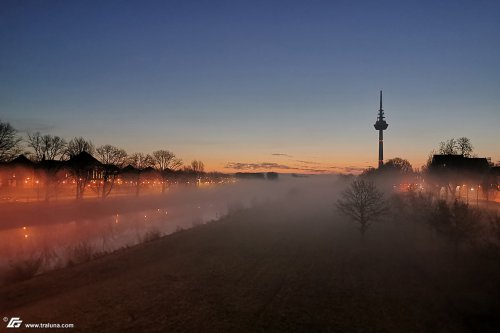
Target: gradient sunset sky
287	86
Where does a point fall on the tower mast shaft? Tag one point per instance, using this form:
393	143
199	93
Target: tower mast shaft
380	148
380	126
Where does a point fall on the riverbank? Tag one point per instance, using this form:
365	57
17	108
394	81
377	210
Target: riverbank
269	269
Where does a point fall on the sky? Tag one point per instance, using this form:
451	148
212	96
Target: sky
287	86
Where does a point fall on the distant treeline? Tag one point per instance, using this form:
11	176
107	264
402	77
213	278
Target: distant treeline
257	175
48	163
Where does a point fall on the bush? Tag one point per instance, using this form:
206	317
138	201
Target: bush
458	222
494	228
23	269
82	252
151	235
420	206
491	246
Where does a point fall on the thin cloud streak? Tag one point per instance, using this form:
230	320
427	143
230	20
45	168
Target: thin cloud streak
309	162
297	168
256	166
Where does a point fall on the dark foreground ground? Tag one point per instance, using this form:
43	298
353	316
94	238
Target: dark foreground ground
278	268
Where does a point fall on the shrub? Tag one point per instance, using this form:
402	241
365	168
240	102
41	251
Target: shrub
151	235
82	252
458	222
23	269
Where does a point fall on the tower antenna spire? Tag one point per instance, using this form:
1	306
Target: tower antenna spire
381	101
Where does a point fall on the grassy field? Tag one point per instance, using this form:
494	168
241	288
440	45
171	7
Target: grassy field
278	267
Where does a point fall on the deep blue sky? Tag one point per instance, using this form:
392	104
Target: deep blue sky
236	82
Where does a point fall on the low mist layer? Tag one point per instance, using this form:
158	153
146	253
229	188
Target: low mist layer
289	262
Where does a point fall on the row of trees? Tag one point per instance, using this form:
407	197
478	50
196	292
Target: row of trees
453	164
461	146
456	222
82	158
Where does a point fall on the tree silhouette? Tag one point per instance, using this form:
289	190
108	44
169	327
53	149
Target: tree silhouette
398	164
464	146
46	147
457	222
82	164
47	150
164	162
10	143
193	172
460	146
363	202
112	159
197	167
139	161
79	145
448	147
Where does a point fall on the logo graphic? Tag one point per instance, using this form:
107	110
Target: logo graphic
14	322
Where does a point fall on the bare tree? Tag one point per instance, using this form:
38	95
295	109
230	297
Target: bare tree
363	202
448	147
193	172
197	166
10	142
464	146
112	159
164	162
83	167
140	162
79	145
47	150
46	147
460	146
35	142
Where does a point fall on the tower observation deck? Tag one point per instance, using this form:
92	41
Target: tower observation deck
381	125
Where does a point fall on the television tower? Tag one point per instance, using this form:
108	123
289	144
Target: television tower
380	126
